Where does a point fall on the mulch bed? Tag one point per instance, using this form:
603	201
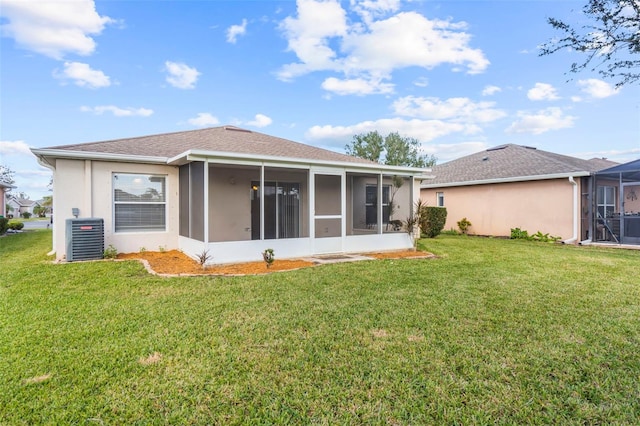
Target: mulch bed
174	262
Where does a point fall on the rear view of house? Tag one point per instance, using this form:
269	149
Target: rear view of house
231	192
513	186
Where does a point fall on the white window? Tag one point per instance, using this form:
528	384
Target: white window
440	199
139	202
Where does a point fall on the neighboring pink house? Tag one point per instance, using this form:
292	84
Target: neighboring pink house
513	186
229	191
4	189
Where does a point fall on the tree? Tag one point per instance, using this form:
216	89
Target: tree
398	150
612	41
368	146
6	175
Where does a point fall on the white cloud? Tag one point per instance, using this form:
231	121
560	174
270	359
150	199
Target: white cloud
260	120
368	9
421	82
117	111
423	130
14	148
542	92
543	121
83	75
53	28
204	119
370	50
409	39
181	75
597	88
490	90
308	36
454	109
236	30
356	86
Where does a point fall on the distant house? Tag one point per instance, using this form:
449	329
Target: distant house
21	205
231	192
4	189
512	186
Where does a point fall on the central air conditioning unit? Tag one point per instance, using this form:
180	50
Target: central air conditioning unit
85	239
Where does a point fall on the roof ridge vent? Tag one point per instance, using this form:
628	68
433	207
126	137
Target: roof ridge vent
237	129
497	148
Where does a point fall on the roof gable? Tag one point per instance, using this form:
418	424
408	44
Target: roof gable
511	162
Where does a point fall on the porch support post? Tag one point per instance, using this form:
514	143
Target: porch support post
205	214
343	209
621	209
262	202
379	206
312	207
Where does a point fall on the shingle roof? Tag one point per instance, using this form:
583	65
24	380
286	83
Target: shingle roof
511	161
227	139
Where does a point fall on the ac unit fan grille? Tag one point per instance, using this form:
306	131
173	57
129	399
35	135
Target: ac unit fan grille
85	239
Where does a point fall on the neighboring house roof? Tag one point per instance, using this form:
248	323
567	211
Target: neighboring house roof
23	202
511	163
172	147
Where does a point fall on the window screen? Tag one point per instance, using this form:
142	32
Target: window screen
139	202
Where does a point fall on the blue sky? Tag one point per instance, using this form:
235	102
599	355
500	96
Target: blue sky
460	76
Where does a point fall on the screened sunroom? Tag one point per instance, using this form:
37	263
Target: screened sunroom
236	210
616	204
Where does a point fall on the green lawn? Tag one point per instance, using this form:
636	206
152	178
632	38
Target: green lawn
492	332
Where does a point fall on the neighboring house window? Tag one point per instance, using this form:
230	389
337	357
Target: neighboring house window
606	199
139	202
440	199
371	198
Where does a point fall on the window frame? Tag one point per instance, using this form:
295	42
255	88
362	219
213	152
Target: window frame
137	203
440	199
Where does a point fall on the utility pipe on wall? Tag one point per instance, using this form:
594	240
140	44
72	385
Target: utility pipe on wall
574	238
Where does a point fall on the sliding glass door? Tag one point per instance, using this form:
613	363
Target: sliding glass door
281	210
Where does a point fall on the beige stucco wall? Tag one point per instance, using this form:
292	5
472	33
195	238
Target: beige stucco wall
493	209
87	185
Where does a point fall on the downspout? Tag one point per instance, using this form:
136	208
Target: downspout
44	163
574	238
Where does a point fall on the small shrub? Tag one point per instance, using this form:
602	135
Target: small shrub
268	256
110	252
143	249
464	225
413	222
203	257
433	223
519	234
26	215
161	249
16	226
4	225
